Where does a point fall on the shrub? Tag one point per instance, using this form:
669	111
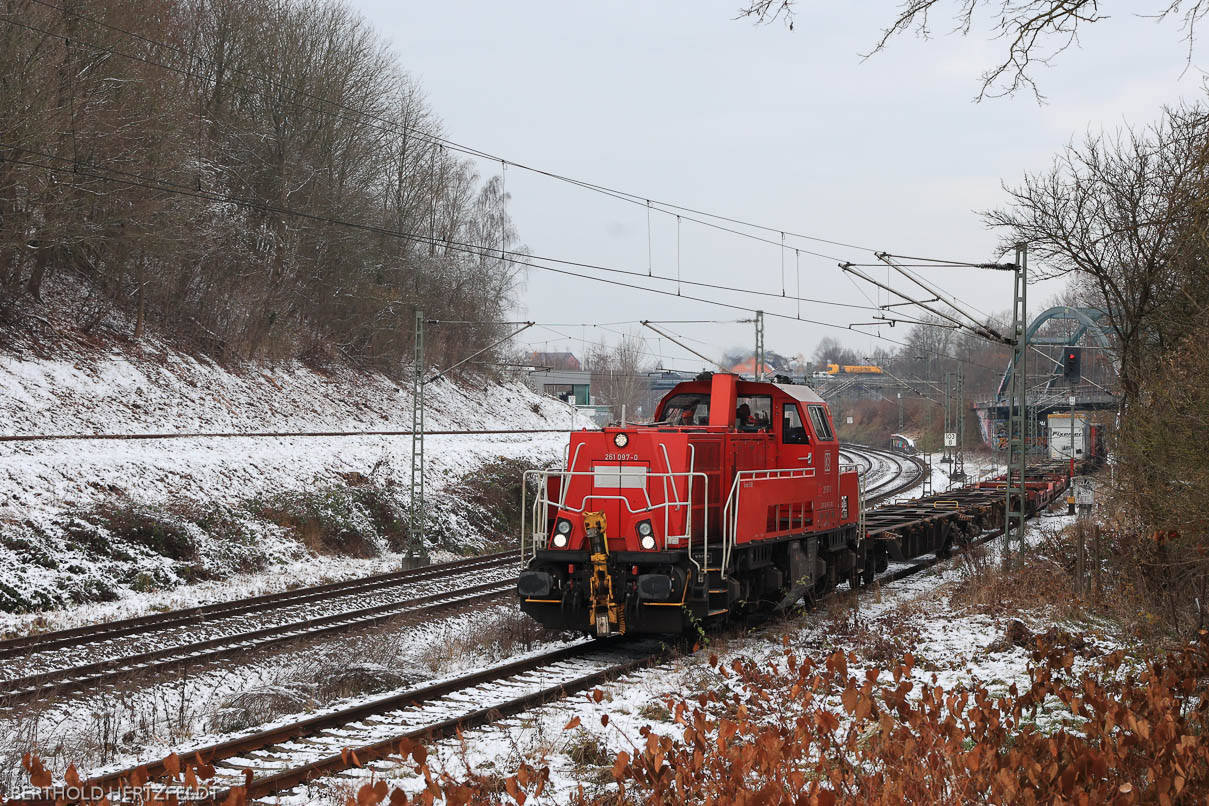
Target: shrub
338	519
151	528
482	509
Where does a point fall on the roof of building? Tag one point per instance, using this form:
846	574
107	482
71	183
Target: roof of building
563	360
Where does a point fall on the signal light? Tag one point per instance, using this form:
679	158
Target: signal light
1072	360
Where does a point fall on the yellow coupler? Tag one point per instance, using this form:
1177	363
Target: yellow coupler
603	611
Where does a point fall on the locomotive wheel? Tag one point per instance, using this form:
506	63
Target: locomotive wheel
822	586
862	576
870	570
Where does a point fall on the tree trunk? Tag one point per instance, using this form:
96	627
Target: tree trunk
34	285
139	317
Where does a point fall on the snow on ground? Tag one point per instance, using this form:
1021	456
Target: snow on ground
55	551
976	466
953	645
123	726
174	393
39	481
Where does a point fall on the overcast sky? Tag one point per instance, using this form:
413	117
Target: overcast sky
677	101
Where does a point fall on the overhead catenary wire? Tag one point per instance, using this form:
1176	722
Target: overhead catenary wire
686	347
396	127
477	353
797	270
515	257
584	342
445	143
923	262
909	300
457	246
650	263
677	255
953	302
506	255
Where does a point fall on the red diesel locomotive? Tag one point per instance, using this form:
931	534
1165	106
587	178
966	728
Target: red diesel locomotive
733	498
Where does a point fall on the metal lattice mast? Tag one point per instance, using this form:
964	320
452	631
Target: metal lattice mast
948	453
759	345
417	552
1016	502
928	427
1030	414
959	456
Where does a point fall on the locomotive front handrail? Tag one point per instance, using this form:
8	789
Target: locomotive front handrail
566	467
540	512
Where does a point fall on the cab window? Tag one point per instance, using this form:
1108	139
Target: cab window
686	410
753	413
792	431
822	428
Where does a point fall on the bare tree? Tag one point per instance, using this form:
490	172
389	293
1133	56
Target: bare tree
1123	215
1035	31
619	375
252	178
832	351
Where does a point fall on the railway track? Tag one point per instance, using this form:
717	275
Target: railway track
66	662
886	473
91	658
277	759
196	615
281	758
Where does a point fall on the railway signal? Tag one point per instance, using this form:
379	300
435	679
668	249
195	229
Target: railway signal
1072	360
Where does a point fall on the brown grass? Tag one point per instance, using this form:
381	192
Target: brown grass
506	633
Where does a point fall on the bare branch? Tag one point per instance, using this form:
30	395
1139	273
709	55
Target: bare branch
1035	32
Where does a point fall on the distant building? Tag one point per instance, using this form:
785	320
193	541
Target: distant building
561	375
561	361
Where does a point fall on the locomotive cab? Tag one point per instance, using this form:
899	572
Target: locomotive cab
732	498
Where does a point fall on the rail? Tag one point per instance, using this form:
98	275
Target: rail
196	654
267	772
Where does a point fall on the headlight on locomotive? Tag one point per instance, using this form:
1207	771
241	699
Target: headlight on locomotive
646	534
562	533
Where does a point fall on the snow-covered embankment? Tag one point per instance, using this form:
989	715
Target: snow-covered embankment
91	520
